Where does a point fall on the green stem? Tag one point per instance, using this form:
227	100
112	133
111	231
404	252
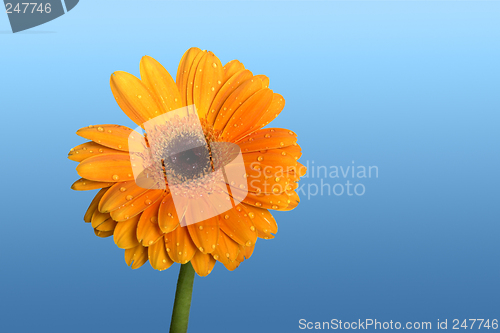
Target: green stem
182	302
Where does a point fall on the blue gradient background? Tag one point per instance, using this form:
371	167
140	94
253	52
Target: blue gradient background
411	87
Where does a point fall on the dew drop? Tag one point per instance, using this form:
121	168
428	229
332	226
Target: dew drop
129	197
153	219
148	202
150	242
258	204
283	153
214	65
100	129
275	207
226	217
260	158
267	135
252	215
116	177
200	248
248	243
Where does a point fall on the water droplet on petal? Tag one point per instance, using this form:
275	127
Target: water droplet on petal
116	177
100	129
226	217
123	189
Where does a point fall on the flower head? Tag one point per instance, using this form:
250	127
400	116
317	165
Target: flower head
196	180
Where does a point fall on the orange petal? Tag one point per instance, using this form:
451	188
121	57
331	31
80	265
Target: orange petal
148	231
202	263
265	80
83	184
294	151
120	194
103	234
158	256
88	149
301	169
102	222
249	251
227	250
192	74
167	215
233	101
183	72
267	200
272	112
243	120
231	68
241	254
137	205
106	168
205	234
179	245
294	200
112	136
136	256
159	81
238	226
125	233
267	138
227	89
263	221
134	98
231	266
93	205
207	82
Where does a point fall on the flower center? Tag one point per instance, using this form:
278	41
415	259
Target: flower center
187	157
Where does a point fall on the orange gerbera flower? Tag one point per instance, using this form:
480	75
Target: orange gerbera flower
232	105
